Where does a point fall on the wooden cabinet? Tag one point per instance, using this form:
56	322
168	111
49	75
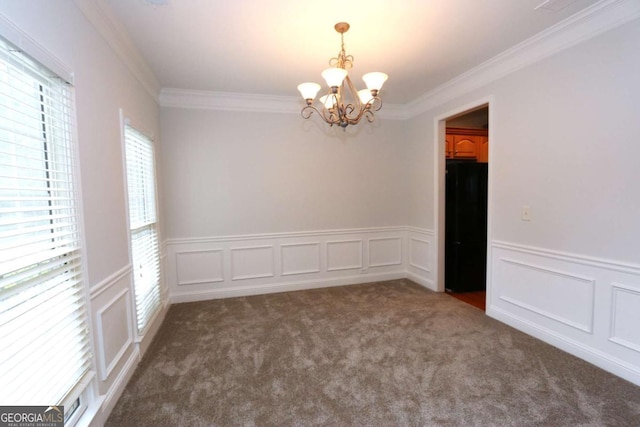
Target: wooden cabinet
483	150
448	147
467	144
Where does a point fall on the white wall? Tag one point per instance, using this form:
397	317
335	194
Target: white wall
229	173
563	135
103	85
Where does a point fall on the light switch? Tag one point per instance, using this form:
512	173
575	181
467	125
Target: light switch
526	213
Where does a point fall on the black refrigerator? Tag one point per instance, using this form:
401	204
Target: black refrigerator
466	226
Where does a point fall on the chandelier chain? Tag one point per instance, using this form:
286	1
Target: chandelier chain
342	60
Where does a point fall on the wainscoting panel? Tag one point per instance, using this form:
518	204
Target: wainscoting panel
113	326
421	252
252	262
384	251
300	258
195	267
219	267
112	346
586	306
549	294
625	316
344	255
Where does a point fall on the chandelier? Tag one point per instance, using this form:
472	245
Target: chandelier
343	105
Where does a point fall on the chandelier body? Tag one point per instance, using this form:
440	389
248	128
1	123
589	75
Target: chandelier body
343	105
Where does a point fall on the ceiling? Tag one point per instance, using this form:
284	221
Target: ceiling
270	46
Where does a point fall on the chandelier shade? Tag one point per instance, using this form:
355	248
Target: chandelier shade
334	76
343	104
329	101
375	80
365	96
309	90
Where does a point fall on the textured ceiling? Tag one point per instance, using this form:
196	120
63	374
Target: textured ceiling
268	47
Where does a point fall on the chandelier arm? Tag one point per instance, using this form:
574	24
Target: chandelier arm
329	116
325	114
308	110
370	116
375	104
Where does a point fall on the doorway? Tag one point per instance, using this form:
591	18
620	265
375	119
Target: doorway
465	205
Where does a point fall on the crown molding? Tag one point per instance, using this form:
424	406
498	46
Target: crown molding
590	22
255	103
99	14
596	19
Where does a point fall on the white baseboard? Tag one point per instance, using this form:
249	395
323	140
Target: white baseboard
283	287
111	398
590	354
422	281
145	341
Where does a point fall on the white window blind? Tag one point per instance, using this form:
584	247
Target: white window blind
44	341
141	186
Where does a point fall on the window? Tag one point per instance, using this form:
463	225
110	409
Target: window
45	350
143	221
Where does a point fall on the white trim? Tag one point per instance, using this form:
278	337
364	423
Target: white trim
249	102
239	291
594	356
422	281
312	233
427	231
120	382
144	341
606	264
101	17
584	328
34	49
104	285
105	371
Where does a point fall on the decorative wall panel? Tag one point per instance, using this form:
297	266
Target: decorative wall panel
300	258
252	262
203	266
344	255
385	251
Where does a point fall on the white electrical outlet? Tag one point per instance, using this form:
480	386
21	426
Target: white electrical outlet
526	213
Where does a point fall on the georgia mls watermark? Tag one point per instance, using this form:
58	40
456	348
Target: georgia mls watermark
31	416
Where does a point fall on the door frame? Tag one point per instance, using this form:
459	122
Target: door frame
439	168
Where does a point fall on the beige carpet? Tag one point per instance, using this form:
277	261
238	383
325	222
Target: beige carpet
380	354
